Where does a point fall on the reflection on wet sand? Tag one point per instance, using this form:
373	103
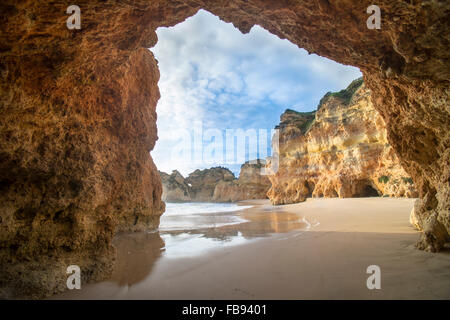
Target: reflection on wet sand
253	224
138	252
329	262
136	255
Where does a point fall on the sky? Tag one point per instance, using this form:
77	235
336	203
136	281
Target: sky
218	86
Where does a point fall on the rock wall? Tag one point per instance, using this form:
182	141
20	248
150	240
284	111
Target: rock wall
203	182
175	187
78	117
199	186
216	184
250	185
340	150
75	169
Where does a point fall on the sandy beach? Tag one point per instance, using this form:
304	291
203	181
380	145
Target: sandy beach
318	249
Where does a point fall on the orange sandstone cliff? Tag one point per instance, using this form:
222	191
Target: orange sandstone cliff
216	184
250	185
175	188
203	182
340	150
199	186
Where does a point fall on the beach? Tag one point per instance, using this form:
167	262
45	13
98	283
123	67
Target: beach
317	249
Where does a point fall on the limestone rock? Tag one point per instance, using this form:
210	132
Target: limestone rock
216	184
250	185
204	182
413	220
340	150
175	187
434	235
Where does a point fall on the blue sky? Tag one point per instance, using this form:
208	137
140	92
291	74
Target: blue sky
214	78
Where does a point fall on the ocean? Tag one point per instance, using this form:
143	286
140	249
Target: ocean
199	215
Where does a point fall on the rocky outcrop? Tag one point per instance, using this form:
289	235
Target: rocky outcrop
340	150
250	185
216	184
204	182
175	187
74	168
199	186
78	111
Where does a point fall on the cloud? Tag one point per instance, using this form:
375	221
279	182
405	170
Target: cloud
212	73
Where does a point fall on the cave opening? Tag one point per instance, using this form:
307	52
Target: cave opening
334	193
219	80
366	189
369	191
310	185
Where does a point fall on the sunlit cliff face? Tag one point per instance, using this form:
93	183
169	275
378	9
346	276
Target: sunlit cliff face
78	114
340	150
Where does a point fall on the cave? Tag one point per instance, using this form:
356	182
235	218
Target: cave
311	186
367	190
79	105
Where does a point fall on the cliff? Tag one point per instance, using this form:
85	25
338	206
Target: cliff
175	187
204	182
216	184
199	186
250	185
340	150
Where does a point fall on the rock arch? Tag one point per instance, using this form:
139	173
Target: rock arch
78	109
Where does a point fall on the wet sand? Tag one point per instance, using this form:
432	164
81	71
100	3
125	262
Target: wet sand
319	249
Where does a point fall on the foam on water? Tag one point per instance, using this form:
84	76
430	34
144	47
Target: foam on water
195	215
188	208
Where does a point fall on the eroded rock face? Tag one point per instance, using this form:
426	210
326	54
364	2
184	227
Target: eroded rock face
75	170
78	117
203	182
175	187
250	185
340	150
216	184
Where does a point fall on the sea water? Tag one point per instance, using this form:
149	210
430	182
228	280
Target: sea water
199	215
192	228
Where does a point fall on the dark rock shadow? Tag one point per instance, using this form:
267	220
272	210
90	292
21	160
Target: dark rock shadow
136	256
